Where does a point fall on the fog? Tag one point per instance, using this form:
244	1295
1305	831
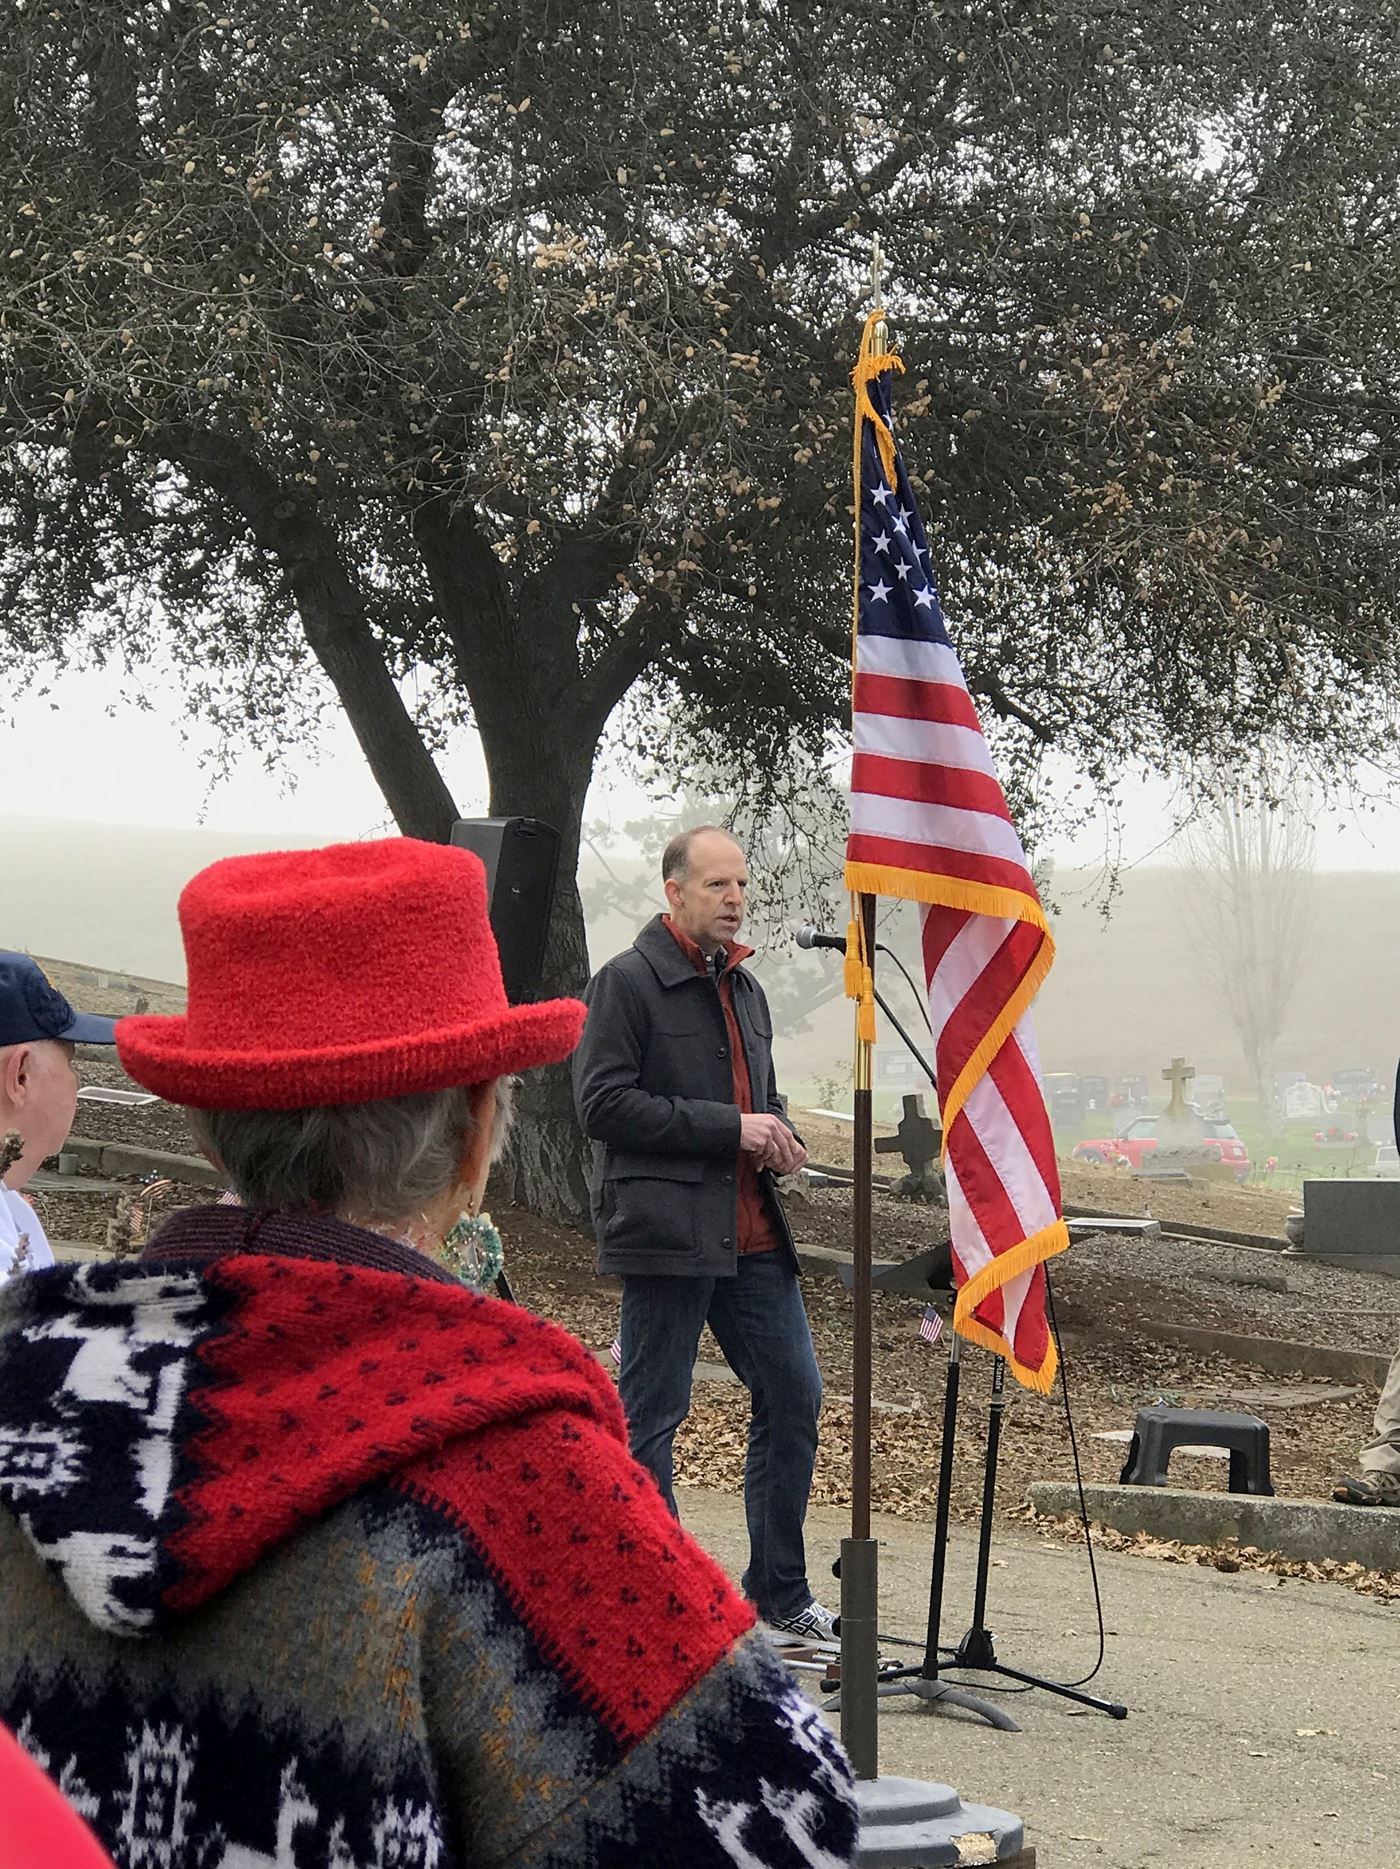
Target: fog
1126	994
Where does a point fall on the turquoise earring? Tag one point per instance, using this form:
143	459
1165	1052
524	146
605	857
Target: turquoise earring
473	1252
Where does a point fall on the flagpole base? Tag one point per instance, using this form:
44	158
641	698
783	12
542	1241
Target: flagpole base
904	1821
860	1653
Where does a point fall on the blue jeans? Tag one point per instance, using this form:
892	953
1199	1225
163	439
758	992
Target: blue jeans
760	1324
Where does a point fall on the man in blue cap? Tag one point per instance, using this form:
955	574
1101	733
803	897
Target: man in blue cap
38	1095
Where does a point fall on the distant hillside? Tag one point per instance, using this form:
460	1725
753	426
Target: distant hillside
1128	994
97	989
1125	995
104	894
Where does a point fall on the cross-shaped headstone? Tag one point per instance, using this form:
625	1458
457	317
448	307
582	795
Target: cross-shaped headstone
918	1140
1178	1076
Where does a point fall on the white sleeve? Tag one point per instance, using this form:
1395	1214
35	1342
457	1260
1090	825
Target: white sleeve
19	1220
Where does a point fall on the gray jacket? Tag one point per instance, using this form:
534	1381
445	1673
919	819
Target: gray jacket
654	1087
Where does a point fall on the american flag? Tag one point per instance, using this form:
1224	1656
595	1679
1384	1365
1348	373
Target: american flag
931	1324
929	823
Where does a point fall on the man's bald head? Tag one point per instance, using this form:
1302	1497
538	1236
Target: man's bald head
706	879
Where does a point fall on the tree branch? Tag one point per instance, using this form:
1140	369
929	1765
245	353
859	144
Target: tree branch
334	622
990	688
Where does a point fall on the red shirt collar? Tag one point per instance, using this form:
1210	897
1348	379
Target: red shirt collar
734	952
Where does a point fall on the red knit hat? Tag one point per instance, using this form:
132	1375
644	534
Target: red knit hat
340	976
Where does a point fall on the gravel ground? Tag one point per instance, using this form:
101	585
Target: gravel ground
1319	1303
151	1125
1114	1369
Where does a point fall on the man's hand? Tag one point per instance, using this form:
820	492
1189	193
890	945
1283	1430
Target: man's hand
772	1142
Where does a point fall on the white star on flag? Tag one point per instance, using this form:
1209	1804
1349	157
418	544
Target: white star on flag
879	592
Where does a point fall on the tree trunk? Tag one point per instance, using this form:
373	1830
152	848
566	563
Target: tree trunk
343	643
545	775
335	625
540	716
1262	1061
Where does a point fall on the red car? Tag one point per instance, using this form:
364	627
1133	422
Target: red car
1140	1139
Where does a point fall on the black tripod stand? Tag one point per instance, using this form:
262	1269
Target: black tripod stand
976	1651
932	1271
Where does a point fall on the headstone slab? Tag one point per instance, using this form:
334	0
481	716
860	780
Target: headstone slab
1353	1222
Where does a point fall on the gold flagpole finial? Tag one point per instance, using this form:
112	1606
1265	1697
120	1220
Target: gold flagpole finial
877	289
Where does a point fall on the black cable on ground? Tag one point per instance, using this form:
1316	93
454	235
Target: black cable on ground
989	1687
1078	1479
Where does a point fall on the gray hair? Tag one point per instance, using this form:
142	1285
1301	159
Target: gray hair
675	859
375	1163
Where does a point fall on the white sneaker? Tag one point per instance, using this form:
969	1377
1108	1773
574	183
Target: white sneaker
815	1623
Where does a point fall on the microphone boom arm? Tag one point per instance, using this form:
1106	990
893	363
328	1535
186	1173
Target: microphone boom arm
910	1046
811	937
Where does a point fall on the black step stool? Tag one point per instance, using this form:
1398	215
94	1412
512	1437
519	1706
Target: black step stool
1158	1430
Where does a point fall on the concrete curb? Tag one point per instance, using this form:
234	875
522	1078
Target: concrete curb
822	1261
1279	1355
123	1158
1189	1230
1307	1529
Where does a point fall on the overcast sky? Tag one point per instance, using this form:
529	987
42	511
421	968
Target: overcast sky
85	752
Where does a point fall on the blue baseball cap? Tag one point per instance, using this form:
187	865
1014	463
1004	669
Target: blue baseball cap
32	1008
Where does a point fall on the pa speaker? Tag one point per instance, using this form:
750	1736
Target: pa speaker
521	856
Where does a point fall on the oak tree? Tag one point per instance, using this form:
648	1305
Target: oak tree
490	364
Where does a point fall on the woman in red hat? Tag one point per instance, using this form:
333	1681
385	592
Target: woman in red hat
309	1552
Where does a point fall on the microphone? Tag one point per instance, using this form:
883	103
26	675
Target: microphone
813	937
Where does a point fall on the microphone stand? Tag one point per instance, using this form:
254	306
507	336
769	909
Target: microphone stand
976	1652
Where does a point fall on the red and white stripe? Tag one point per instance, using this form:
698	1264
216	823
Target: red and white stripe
929	815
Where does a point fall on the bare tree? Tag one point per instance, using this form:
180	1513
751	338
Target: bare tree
1248	894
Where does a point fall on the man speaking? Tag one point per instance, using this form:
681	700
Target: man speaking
674	1083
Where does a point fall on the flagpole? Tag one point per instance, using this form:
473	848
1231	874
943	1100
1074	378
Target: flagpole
862	1226
886	1804
860	1560
860	1572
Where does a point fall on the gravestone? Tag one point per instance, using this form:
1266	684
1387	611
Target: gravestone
1180	1131
1178	1074
1352	1222
919	1140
